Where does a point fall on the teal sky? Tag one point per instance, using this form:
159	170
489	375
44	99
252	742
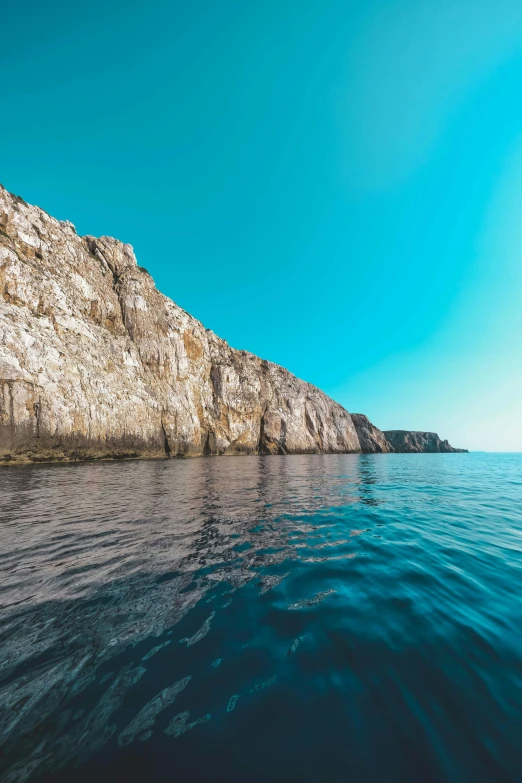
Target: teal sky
334	186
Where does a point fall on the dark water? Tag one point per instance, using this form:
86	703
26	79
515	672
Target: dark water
337	618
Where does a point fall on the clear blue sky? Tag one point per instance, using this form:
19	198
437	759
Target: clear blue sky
335	186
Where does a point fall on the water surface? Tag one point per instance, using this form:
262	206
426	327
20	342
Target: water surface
322	618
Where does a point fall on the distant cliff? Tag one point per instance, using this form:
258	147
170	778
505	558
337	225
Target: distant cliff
375	441
412	441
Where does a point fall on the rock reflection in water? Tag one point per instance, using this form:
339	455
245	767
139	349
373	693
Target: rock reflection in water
267	583
306	603
295	644
181	724
97	557
105	566
232	702
205	628
156	649
261	686
144	720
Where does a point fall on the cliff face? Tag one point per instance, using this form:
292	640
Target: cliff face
406	441
95	362
372	439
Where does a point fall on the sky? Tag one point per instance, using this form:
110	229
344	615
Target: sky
335	186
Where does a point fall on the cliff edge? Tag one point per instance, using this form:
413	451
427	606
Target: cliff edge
96	363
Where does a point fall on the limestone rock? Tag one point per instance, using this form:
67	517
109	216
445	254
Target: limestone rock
372	439
96	363
406	441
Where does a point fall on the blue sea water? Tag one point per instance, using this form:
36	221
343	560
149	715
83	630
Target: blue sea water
303	618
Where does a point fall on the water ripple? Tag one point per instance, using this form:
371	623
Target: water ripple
363	611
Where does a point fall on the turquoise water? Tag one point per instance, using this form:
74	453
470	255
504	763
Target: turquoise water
322	618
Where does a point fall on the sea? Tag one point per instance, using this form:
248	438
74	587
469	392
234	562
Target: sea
266	618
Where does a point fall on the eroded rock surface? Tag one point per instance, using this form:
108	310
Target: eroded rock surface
95	362
412	441
371	438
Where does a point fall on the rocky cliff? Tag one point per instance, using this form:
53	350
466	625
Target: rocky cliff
372	439
411	441
96	363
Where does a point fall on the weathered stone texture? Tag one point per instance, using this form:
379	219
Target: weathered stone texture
95	362
372	439
411	441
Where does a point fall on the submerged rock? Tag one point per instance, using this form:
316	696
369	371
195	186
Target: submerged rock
412	441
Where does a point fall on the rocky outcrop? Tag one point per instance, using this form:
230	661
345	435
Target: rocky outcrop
96	363
372	439
411	441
